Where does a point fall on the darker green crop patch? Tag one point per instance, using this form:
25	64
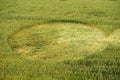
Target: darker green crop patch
97	13
63	0
113	0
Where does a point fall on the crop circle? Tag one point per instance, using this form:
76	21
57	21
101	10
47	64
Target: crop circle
57	41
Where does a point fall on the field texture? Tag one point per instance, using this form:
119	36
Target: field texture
59	39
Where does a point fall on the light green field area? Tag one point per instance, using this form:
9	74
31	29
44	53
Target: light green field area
59	39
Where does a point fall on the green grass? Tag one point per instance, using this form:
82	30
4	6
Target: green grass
49	34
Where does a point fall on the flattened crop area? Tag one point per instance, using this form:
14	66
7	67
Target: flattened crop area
60	41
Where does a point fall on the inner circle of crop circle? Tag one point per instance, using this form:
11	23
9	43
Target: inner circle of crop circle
57	41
